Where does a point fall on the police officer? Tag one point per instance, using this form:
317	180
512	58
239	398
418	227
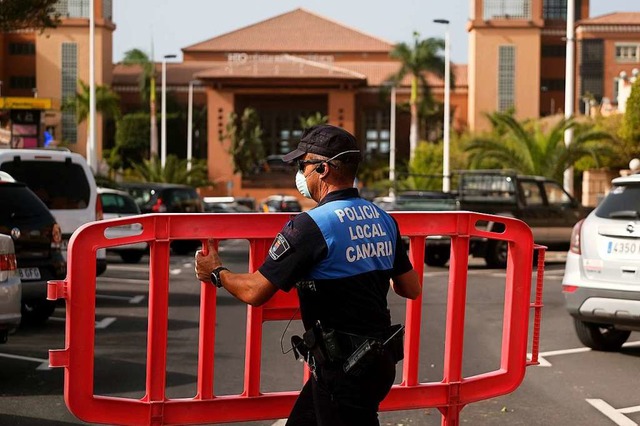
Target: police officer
340	256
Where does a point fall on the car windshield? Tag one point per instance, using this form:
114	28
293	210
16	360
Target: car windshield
19	203
623	202
60	185
116	203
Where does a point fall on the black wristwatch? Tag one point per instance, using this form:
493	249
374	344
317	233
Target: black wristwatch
215	276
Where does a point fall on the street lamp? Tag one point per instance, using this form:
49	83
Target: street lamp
569	92
446	173
190	124
163	129
392	143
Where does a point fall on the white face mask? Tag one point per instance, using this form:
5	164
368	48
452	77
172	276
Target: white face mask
301	184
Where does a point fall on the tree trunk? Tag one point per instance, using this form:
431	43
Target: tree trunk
413	131
153	120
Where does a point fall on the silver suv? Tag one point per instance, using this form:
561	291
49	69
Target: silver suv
601	282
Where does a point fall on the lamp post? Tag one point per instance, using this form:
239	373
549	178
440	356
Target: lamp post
569	93
92	157
392	144
163	130
446	172
190	124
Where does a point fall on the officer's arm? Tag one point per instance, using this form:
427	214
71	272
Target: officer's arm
253	289
407	285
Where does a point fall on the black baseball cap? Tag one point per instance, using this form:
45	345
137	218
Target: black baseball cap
325	140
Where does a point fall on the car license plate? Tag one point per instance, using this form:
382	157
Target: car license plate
623	248
29	274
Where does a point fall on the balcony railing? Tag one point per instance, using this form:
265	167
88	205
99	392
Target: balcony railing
80	9
507	9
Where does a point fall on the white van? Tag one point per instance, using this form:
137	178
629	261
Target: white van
64	182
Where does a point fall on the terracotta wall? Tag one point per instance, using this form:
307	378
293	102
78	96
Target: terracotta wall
220	104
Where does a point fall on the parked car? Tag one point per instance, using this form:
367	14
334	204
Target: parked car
37	240
119	204
167	198
10	289
437	247
65	184
601	281
224	205
280	203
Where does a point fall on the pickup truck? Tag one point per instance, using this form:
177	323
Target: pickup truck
538	201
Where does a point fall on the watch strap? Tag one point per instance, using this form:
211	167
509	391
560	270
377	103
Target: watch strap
215	276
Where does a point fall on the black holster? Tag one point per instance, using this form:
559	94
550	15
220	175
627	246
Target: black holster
355	353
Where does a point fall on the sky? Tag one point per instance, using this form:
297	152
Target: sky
174	24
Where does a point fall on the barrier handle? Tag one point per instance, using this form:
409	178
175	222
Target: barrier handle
537	306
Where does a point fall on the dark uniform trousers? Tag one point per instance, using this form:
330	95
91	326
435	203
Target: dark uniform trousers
336	398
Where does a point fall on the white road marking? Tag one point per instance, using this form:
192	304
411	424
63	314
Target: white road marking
132	300
44	364
136	299
175	271
615	415
103	323
544	363
141	281
280	422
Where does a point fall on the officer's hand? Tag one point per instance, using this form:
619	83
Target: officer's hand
206	264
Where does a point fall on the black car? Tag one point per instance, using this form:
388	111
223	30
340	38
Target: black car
37	239
167	198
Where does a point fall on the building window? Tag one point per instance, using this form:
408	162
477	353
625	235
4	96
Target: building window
507	9
628	52
376	132
107	9
554	51
69	83
506	77
557	10
592	68
22	49
22	82
73	8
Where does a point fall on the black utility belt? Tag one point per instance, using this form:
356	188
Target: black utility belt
320	346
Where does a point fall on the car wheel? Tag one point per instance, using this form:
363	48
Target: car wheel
496	256
435	257
601	337
35	312
131	256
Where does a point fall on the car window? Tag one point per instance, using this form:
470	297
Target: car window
555	194
18	203
60	185
116	203
532	194
622	201
142	196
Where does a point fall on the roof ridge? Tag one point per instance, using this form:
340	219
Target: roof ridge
333	21
241	28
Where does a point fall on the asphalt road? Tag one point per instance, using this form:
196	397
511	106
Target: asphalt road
574	386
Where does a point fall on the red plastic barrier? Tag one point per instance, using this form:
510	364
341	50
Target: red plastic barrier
449	396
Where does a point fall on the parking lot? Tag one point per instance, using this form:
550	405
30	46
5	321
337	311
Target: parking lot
572	385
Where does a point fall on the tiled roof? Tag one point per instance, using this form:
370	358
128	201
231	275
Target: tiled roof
177	73
615	18
294	32
282	66
379	72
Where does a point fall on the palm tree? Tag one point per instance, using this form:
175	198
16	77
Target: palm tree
174	171
107	102
147	84
536	152
415	61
